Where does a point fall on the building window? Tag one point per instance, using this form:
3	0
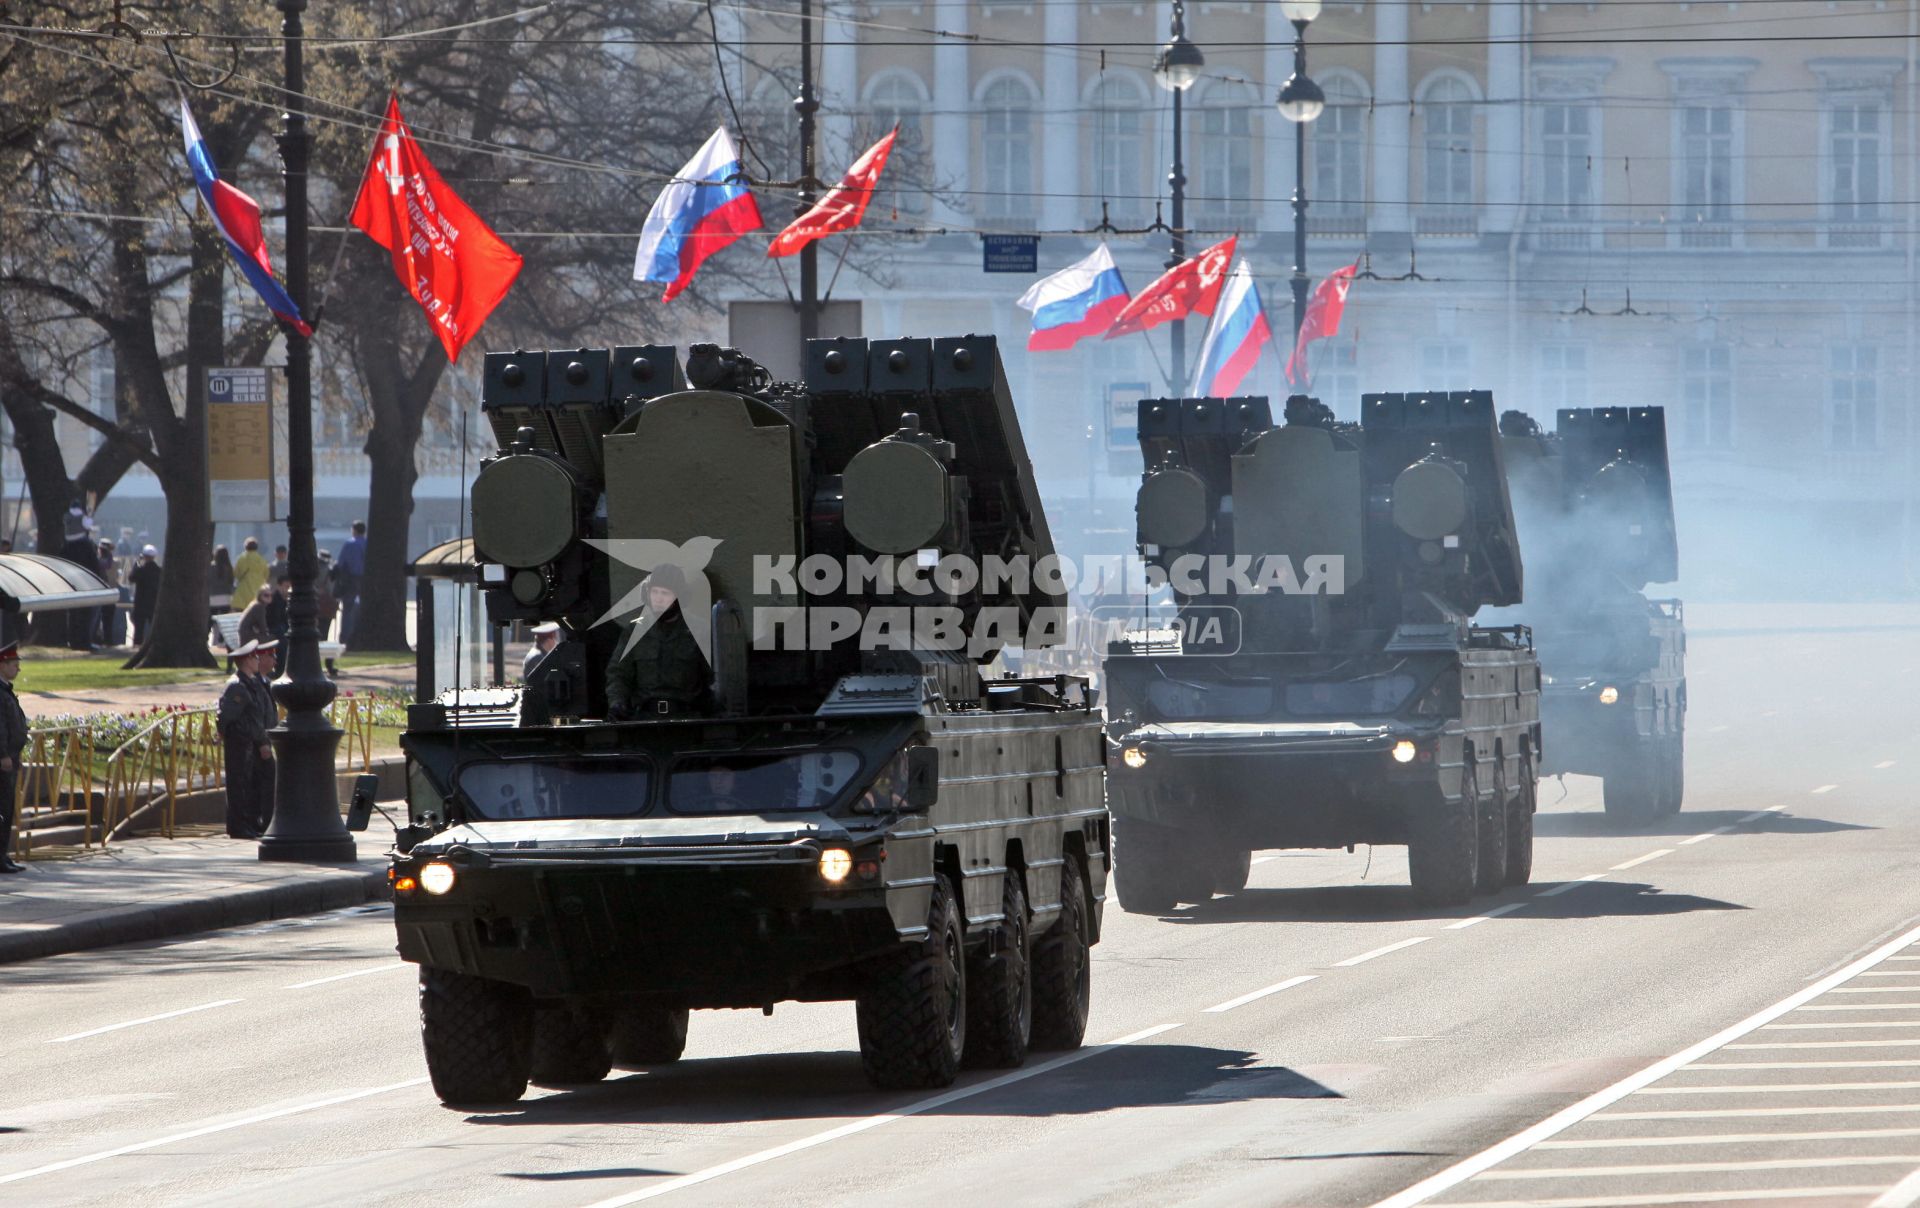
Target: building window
1853	396
1223	157
1119	152
1561	380
1447	147
1334	366
1566	162
1706	395
895	100
1339	150
1446	366
1707	160
1855	130
1006	146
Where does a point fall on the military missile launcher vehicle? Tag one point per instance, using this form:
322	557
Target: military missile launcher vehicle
1335	693
1594	503
842	808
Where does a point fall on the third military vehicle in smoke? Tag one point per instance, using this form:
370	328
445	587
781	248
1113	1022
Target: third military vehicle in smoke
1594	503
770	819
1338	693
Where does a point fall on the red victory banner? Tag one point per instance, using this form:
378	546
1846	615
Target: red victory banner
844	205
1191	287
452	263
1322	320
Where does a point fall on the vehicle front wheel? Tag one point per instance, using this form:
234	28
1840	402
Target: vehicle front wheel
1063	968
1520	824
912	1014
1000	988
570	1045
1231	868
478	1036
1492	827
1631	792
1443	848
649	1035
1144	873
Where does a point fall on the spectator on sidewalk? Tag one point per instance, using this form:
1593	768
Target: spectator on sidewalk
13	744
281	568
245	715
145	577
220	581
254	626
348	569
110	626
77	548
279	622
249	571
325	605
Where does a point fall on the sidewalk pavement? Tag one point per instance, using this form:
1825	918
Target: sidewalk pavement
203	693
146	889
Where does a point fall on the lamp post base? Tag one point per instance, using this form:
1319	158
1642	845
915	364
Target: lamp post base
306	826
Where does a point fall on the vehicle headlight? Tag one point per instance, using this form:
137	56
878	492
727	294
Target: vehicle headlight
437	878
1134	757
1609	694
835	864
1404	751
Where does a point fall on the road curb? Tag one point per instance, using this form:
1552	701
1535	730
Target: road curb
109	926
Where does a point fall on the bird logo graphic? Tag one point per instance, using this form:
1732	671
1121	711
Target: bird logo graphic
656	557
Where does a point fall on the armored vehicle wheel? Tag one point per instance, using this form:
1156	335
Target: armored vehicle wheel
649	1035
913	1012
1231	870
1676	774
1631	792
570	1045
1144	872
1520	825
1000	989
1492	828
1063	969
1443	849
478	1036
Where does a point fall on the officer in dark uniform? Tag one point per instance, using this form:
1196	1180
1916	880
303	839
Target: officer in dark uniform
13	743
245	715
664	674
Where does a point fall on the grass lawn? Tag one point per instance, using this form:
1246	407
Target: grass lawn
47	669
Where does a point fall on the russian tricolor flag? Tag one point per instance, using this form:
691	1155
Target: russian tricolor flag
1234	339
704	208
238	218
1079	301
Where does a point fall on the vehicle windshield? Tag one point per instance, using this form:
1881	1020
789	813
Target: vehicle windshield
760	784
1368	695
498	790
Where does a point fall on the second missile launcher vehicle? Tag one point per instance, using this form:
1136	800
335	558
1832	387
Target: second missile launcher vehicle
1594	503
1342	696
789	812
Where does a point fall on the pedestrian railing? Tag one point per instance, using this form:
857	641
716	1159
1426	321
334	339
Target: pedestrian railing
54	783
175	754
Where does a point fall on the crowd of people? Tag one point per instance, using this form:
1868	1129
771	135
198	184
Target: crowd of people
259	590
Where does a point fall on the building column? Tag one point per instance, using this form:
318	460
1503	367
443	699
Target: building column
1276	210
952	118
1392	133
1061	208
1506	127
839	90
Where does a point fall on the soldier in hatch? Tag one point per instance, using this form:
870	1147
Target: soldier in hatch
664	674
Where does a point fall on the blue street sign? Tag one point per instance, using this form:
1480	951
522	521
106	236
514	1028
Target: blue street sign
1010	253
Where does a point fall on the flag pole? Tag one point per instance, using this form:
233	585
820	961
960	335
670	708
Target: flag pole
306	825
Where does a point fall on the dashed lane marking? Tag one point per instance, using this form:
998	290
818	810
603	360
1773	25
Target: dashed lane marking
207	1130
1652	855
1860	1064
1732	1113
1878	989
1756	815
1824	1194
1364	957
134	1023
1825	788
1878	1023
1830	1044
1244	999
321	981
1776	1087
1883	765
1495	913
1865	1006
1592	1172
1564	886
1843	1134
1702	838
852	1127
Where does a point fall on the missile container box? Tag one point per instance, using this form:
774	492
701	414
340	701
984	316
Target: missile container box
1594	503
807	789
1334	692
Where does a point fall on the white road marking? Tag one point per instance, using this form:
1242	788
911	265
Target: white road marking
321	981
1728	1113
1903	1194
1595	1172
1878	989
1652	855
1865	1006
1883	764
1495	913
1364	957
1262	859
1825	788
1878	1023
865	1123
1244	999
1768	1088
1564	886
1718	830
134	1023
1567	1117
1668	1197
1718	729
1756	815
1893	972
206	1130
1831	1044
1845	1134
1861	1064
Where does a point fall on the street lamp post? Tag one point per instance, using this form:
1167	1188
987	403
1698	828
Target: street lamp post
806	105
306	822
1176	68
1300	102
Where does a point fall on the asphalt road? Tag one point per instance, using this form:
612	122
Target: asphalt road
1317	1040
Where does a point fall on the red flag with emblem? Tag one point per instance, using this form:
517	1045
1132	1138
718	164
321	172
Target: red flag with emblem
844	205
1191	287
452	263
1322	321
